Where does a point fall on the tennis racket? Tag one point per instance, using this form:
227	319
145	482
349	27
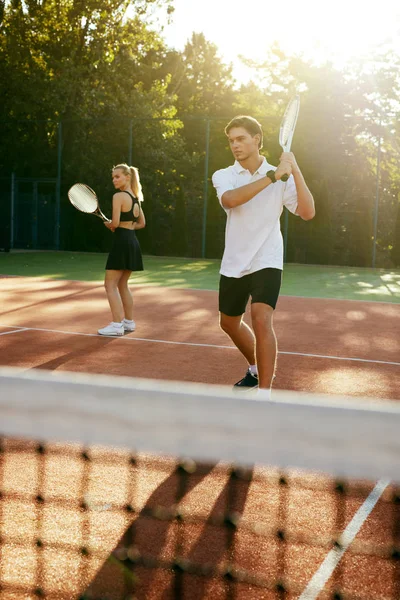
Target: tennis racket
84	199
288	126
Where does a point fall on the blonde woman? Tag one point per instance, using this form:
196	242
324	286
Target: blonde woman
125	255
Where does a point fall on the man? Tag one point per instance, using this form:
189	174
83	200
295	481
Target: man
252	195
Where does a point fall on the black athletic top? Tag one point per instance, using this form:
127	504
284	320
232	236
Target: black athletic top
128	215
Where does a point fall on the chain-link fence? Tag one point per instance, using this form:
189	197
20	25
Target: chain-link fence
356	214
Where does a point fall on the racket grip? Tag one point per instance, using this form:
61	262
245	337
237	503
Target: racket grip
284	177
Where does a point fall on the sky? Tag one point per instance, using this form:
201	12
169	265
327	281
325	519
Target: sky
338	30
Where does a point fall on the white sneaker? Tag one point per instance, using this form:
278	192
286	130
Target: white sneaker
128	325
114	329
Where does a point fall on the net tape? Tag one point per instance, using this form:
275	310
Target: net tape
128	562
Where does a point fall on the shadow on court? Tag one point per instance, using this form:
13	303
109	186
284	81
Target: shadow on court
159	540
85	349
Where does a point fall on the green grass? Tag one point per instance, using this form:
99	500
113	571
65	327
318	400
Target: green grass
299	280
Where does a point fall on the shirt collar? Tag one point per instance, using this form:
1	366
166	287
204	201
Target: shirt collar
262	169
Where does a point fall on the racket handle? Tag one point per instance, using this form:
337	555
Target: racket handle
284	177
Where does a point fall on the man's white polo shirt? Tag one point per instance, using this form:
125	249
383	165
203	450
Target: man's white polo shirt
253	238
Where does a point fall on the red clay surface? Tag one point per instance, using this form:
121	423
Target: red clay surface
325	346
328	346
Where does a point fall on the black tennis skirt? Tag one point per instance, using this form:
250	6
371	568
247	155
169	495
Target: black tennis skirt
125	252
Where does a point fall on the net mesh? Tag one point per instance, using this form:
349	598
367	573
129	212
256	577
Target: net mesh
133	517
83	198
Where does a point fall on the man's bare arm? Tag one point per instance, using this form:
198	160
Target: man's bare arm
305	200
243	194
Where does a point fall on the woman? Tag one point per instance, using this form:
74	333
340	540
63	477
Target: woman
125	255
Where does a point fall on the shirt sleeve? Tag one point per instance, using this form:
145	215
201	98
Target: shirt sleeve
222	181
290	195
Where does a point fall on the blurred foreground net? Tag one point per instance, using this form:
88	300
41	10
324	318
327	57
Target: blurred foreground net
117	489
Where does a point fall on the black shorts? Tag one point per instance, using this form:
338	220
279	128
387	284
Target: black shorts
262	286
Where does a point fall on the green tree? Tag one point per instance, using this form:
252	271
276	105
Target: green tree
86	64
203	88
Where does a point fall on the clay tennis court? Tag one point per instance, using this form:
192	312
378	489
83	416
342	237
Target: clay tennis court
326	346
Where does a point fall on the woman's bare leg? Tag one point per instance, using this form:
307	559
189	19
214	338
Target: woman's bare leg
111	282
126	295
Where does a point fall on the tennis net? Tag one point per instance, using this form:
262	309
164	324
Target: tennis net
125	489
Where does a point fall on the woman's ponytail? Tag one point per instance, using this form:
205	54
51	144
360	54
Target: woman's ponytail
135	183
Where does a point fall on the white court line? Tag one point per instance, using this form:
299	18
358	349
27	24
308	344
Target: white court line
367	360
15	331
121	337
198	345
333	558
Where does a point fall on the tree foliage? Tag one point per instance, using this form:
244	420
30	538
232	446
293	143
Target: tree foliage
97	73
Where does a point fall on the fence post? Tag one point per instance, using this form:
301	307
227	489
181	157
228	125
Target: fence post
35	220
130	142
58	185
12	212
205	196
376	206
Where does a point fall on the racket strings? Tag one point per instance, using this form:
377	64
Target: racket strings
289	122
83	198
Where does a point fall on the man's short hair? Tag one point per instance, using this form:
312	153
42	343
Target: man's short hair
251	125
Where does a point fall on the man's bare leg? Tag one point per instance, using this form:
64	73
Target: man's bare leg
240	334
266	344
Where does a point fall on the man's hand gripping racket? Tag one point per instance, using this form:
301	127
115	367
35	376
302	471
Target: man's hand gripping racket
84	199
286	132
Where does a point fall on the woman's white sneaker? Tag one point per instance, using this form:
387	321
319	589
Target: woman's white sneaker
128	325
113	329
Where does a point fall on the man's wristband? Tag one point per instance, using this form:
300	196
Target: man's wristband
271	175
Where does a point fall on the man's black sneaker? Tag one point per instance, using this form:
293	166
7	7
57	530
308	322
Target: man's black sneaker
248	381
